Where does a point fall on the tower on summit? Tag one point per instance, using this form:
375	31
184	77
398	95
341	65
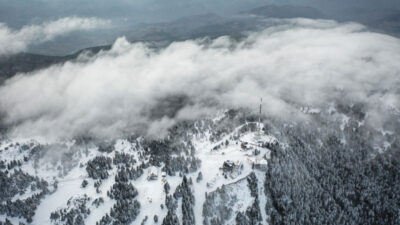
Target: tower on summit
259	131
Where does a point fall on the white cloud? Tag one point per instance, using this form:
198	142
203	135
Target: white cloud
119	91
14	41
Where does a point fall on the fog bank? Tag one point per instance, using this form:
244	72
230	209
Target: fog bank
128	89
14	41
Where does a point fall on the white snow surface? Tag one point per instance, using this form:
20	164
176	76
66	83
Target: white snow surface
151	193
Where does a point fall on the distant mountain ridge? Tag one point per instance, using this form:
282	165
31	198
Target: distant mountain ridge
286	11
198	26
27	62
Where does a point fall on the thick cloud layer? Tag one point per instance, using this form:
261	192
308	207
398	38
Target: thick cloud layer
14	41
129	88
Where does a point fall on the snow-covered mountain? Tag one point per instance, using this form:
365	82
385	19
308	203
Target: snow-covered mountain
160	123
189	174
226	170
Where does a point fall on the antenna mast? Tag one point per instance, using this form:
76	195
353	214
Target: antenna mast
259	118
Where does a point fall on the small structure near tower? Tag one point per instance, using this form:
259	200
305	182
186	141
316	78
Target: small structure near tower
245	146
152	173
231	169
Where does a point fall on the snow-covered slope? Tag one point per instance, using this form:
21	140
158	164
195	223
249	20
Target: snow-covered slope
226	170
88	182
